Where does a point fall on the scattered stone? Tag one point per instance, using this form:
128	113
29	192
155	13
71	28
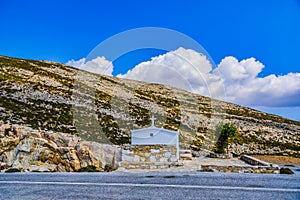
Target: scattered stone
220	156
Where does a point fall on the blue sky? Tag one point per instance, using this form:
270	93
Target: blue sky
55	30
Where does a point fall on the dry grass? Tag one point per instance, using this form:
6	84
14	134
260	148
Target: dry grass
279	160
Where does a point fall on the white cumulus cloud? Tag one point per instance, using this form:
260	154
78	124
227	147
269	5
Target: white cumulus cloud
189	70
181	68
233	70
98	65
244	86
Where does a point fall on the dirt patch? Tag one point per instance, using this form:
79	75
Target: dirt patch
279	160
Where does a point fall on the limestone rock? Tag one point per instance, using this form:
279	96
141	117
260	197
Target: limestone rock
48	151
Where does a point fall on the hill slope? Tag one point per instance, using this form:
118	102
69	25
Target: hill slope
52	96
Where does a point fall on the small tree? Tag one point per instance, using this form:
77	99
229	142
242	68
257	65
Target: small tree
225	131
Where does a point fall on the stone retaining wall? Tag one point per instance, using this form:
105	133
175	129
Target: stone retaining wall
259	167
241	169
254	161
149	157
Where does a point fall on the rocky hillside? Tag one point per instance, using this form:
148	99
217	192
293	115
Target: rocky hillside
53	97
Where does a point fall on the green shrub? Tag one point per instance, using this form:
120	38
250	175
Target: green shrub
36	171
202	129
108	168
12	170
225	131
89	168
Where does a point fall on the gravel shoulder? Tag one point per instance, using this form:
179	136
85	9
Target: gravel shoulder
279	160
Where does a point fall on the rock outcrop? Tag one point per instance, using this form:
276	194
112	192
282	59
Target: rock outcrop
26	149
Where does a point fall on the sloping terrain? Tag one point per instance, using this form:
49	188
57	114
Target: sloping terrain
52	96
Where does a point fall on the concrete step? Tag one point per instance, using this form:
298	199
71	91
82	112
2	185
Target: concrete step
185	151
185	154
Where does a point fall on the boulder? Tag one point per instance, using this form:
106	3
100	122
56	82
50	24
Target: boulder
286	170
48	151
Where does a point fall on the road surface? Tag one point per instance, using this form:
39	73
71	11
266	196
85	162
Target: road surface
151	185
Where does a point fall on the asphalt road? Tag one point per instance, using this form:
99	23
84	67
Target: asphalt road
152	185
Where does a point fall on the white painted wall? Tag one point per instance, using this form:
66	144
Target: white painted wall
154	135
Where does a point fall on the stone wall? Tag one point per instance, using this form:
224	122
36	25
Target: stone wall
241	169
259	167
149	157
254	161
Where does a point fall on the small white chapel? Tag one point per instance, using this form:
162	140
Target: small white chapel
155	136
